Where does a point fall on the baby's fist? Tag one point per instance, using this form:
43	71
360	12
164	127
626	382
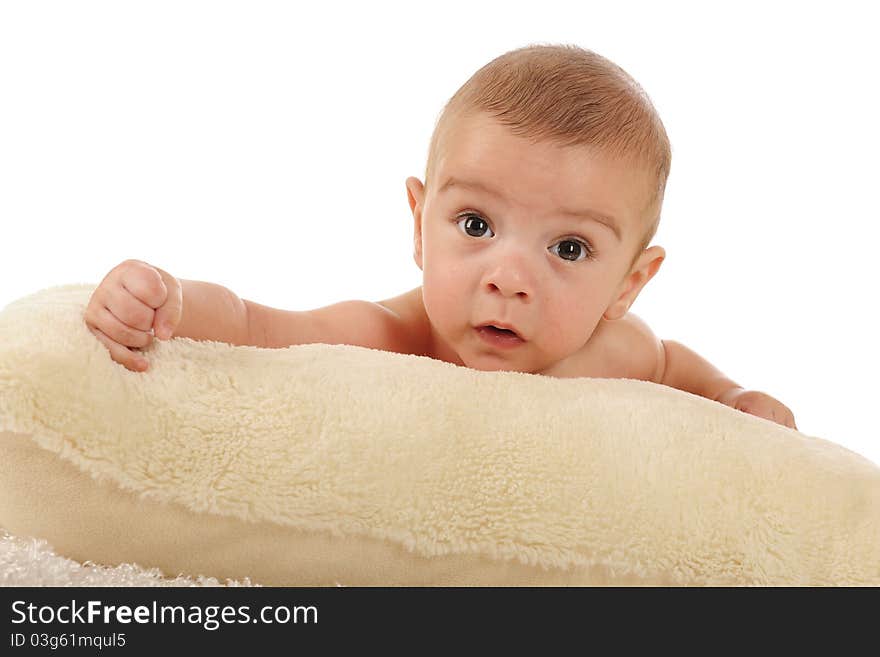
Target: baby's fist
760	404
135	302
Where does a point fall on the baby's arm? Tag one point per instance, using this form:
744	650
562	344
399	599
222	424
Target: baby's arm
213	312
674	365
359	323
137	302
686	370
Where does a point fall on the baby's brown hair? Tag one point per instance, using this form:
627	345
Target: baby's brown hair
569	96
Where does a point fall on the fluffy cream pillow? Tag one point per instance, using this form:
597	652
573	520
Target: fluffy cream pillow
323	465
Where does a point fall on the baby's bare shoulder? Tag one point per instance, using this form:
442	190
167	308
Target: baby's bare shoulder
624	348
636	352
410	333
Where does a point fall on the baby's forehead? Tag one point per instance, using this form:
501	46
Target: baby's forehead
540	170
480	140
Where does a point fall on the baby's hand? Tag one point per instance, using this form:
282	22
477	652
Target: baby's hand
760	404
134	302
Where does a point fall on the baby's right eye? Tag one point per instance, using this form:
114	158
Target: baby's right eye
474	225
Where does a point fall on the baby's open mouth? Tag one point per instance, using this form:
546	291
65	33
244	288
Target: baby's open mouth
498	335
501	330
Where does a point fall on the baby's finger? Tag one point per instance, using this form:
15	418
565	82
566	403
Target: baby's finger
120	332
123	304
120	354
144	282
785	416
780	417
168	315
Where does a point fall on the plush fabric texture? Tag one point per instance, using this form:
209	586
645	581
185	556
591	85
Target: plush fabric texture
339	465
32	562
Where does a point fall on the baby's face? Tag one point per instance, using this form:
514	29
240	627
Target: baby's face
537	237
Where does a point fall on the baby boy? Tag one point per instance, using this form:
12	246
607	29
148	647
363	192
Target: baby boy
543	187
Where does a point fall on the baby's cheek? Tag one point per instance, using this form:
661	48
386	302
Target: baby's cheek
440	299
556	341
571	328
444	284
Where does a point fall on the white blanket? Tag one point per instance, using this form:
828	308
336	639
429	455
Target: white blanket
342	465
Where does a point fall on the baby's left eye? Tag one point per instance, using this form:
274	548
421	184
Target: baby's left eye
572	250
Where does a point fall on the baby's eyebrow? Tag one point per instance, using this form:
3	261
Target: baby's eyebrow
591	215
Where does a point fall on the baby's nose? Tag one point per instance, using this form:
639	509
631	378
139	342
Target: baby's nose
510	277
508	291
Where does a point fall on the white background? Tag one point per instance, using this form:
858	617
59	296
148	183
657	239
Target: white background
264	146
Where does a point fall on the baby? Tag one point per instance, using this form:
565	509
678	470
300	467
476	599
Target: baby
543	187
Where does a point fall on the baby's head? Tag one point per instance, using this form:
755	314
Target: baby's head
543	189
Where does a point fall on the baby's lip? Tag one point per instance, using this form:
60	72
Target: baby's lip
502	325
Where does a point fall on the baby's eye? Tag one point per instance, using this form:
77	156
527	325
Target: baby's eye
474	225
572	250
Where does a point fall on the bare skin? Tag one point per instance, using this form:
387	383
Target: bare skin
533	236
593	360
624	348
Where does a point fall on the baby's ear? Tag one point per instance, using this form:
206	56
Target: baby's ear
643	270
650	261
415	192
